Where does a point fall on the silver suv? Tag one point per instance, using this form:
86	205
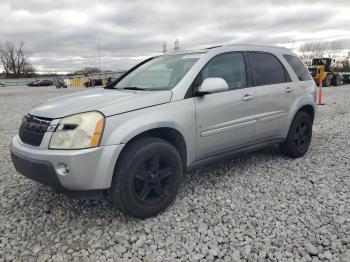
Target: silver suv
134	138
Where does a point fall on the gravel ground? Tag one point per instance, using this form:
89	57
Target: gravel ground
256	207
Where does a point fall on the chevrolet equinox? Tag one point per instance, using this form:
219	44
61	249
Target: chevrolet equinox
134	138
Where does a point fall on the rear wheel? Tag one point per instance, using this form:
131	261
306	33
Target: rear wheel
299	136
337	80
147	177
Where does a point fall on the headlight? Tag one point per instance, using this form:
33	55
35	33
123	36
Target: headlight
78	131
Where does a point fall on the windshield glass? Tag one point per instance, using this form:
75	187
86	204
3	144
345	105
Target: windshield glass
161	73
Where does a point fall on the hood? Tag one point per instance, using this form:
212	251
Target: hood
107	101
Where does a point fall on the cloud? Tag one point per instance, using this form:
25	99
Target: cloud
64	35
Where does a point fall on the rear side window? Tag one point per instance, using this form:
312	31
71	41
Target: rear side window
230	67
298	67
267	69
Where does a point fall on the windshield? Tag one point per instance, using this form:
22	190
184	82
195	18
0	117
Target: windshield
161	73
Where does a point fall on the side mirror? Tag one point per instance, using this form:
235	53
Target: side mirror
213	85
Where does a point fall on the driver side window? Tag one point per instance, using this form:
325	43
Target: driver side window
230	67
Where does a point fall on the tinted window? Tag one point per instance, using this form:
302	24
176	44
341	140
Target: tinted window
298	67
267	69
228	66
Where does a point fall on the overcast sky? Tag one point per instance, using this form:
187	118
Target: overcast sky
63	35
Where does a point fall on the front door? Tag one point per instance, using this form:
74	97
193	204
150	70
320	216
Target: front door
225	120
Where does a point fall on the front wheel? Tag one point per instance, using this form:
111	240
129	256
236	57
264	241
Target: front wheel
299	136
147	177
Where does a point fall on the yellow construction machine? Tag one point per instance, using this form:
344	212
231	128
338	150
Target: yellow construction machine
322	69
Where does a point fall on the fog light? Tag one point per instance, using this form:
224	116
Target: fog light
62	169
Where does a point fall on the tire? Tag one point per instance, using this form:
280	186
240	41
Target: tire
299	136
328	80
146	178
337	80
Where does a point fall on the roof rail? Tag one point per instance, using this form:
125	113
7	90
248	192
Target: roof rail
212	47
257	45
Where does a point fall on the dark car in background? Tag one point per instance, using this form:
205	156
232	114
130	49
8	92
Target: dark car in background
35	83
46	83
41	83
60	83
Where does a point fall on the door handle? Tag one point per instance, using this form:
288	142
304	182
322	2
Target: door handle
289	89
247	97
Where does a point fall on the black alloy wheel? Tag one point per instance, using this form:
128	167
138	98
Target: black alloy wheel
147	177
153	179
299	136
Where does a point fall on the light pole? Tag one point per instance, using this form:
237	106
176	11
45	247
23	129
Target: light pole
99	57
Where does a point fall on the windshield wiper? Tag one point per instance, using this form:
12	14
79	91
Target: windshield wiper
133	88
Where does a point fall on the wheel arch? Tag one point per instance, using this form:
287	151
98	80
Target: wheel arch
169	134
294	146
309	109
305	104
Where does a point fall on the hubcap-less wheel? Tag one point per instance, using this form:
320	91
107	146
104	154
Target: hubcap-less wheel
147	177
301	137
153	180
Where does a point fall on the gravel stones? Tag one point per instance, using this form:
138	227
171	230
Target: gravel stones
256	207
311	249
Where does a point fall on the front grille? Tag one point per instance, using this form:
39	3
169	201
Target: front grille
32	129
313	71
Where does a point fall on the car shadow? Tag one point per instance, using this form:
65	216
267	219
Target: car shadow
240	161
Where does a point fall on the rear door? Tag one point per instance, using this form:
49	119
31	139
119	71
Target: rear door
225	120
275	94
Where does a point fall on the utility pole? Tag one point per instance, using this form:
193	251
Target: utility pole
164	48
99	57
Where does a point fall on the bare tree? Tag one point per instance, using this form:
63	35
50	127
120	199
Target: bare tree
29	70
334	51
308	51
15	60
88	70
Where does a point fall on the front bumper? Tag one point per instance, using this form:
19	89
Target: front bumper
66	170
37	170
